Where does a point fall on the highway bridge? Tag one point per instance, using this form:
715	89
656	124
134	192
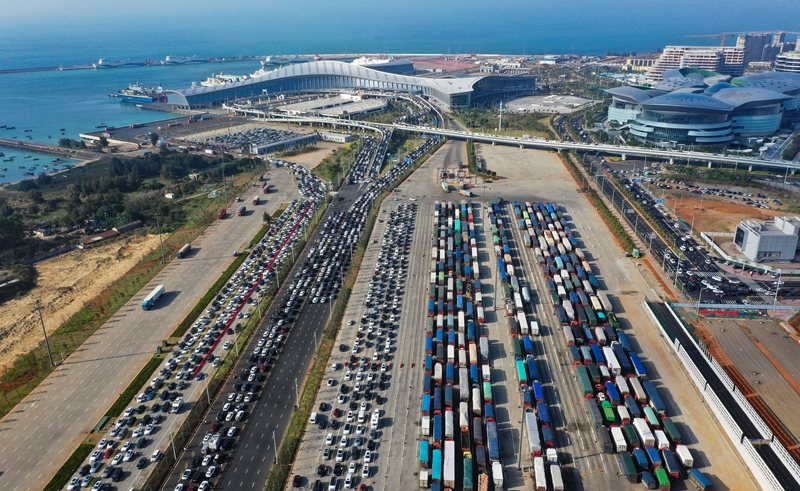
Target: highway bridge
674	156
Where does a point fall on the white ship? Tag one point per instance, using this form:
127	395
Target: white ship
222	79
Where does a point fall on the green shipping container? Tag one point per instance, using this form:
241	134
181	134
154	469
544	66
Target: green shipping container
590	315
651	417
594	373
628	467
671	430
468	486
663	478
459	282
517	347
583	380
487	392
432	291
507	290
608	411
630	435
458	273
612	319
576	282
429	328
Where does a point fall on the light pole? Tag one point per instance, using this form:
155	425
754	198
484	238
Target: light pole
46	341
296	393
777	287
698	300
158	225
276	448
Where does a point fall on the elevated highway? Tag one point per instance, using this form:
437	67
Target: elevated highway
674	156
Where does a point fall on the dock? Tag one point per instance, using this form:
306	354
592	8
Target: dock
48	149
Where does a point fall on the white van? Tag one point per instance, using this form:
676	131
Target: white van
376	417
313	418
362	416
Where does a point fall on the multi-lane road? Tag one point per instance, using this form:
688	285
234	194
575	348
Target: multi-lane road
253	454
46	427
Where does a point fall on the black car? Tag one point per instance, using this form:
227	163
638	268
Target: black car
322	470
371	444
84	470
142	463
297	481
338	469
237	387
196	462
116	476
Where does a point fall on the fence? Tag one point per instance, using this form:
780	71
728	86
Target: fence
761	472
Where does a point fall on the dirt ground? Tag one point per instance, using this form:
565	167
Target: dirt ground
309	160
715	215
65	283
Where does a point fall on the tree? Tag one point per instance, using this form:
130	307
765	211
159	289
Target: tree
267	218
154	139
36	196
11	232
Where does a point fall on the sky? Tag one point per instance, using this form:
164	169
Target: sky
91	28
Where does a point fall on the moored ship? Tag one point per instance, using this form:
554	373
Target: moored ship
106	63
140	93
221	79
184	60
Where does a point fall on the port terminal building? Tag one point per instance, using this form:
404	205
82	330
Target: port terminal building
690	106
451	91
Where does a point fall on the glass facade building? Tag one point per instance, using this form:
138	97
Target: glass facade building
694	107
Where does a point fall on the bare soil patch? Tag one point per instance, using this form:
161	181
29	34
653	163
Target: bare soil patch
65	284
717	216
311	159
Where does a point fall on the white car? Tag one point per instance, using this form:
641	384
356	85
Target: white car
352	467
343	441
348	481
329	439
368	456
117	458
149	429
128	456
137	432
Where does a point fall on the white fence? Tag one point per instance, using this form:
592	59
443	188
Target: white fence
763	475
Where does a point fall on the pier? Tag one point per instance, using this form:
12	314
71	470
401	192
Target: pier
48	149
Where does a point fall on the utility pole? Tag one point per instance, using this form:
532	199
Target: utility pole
46	341
224	183
158	225
276	448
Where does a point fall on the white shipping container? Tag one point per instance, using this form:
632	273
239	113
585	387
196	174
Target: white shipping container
449	471
433	278
539	475
555	476
661	439
619	439
622	385
463	415
476	270
523	323
426	425
534	328
645	435
624	414
685	455
611	361
462	358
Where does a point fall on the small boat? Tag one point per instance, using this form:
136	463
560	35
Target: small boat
4	169
101	125
32	168
28	131
37	158
45	167
62	129
7	160
28	173
2	175
10	127
2	154
21	167
27	157
2	126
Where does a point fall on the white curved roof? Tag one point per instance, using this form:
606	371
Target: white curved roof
321	68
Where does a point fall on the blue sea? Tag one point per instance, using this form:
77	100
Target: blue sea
53	33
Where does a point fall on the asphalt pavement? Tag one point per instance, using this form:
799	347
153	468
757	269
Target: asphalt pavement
38	438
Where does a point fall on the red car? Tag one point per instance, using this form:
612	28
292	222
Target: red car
215	426
337	412
108	453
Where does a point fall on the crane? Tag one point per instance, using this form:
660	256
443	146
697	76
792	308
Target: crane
724	35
